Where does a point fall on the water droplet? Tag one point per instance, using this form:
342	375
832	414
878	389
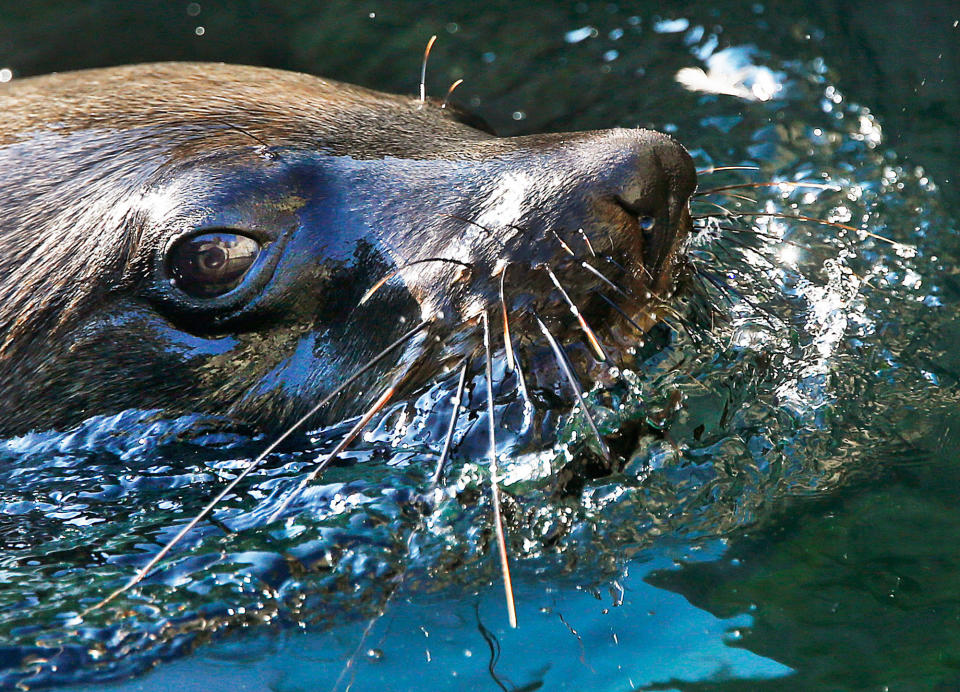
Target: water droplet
581	34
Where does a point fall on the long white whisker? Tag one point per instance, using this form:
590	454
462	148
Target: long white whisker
586	239
383	280
574	385
423	69
522	385
597	273
145	570
781	183
347	439
448	439
446	99
591	336
563	243
717	169
421	524
495	480
507	341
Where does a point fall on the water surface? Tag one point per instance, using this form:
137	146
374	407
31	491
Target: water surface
791	523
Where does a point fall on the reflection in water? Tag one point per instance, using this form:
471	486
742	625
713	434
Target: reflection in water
626	639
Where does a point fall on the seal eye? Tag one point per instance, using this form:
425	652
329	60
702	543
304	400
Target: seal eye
647	223
211	264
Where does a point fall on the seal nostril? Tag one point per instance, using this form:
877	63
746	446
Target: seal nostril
645	219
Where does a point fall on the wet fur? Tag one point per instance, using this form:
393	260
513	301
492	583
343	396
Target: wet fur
88	159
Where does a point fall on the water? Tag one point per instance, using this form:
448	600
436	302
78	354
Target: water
791	522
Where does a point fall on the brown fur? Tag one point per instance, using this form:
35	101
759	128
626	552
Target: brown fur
83	319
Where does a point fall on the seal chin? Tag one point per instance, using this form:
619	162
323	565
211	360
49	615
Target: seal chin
240	240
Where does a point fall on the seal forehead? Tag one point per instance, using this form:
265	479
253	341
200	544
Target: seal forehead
189	100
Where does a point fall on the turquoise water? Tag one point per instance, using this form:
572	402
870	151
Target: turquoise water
791	524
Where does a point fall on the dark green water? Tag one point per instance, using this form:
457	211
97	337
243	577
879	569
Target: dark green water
793	524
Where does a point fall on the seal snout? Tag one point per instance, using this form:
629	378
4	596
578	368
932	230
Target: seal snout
644	191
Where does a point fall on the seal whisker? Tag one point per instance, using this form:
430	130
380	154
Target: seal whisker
732	195
695	333
423	69
350	664
522	386
591	335
730	292
772	183
146	569
247	133
667	309
586	239
717	169
760	234
696	274
600	275
563	244
507	341
726	292
495	480
513	360
619	310
757	251
421	525
448	439
647	272
383	280
446	99
574	383
813	219
342	445
722	208
610	260
740	244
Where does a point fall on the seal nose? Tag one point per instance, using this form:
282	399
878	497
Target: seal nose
627	190
653	185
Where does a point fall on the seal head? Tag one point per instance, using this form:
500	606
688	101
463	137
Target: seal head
200	237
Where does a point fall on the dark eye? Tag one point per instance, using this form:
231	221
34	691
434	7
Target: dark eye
647	223
211	264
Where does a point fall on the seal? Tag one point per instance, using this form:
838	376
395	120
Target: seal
205	237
